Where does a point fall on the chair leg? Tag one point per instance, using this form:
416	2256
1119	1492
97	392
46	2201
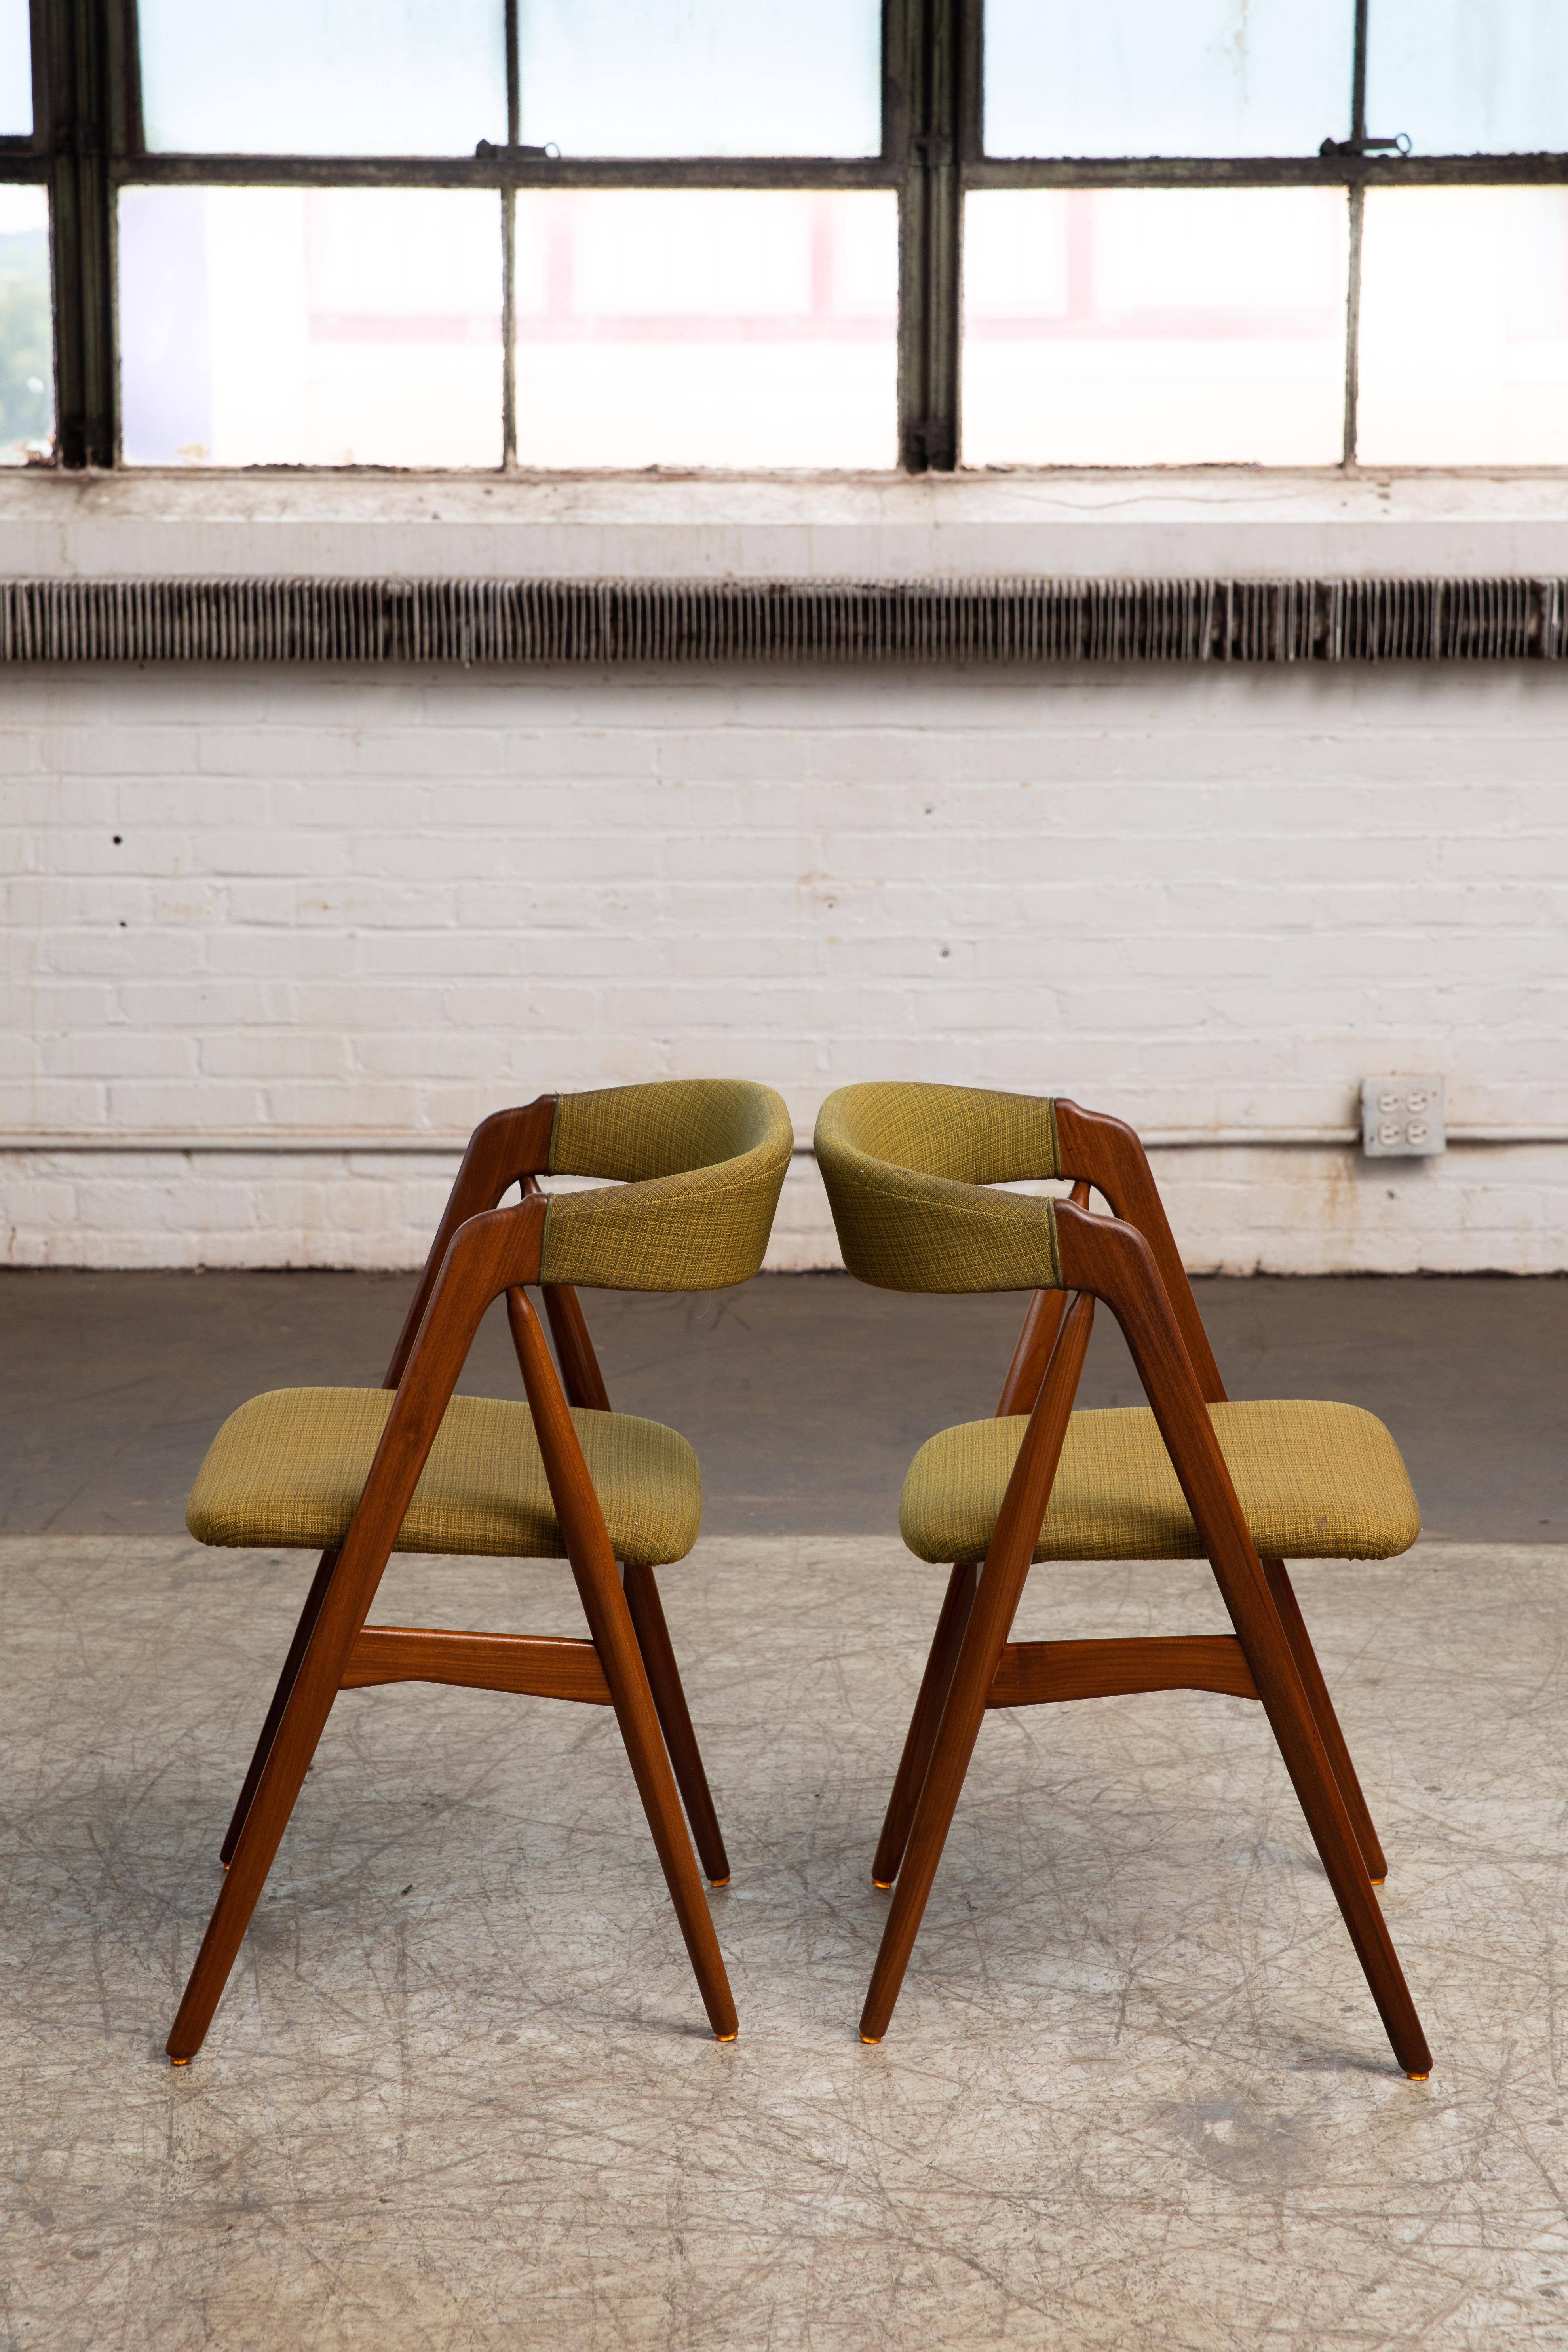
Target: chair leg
1279	1685
616	1643
610	1624
1327	1721
291	1664
675	1719
980	1649
997	1593
301	1722
924	1724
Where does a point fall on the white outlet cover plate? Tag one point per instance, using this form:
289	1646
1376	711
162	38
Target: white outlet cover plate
1401	1118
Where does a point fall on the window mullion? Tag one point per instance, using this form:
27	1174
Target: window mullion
81	78
509	252
509	327
930	221
1356	198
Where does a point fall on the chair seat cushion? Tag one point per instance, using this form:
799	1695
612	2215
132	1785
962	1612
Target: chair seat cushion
1315	1482
288	1468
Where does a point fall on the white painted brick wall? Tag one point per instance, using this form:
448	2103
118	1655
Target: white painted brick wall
361	901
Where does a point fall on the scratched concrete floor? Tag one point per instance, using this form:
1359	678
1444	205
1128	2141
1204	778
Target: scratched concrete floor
459	2094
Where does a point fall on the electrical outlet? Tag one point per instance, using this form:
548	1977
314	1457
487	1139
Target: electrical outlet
1402	1118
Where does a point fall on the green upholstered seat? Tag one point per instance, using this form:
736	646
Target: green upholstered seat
698	1165
1314	1481
288	1468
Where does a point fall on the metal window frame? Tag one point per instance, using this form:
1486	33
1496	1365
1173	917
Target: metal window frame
87	144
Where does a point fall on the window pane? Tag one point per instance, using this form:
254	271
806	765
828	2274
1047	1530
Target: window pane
707	327
703	77
1167	77
317	327
1468	77
322	77
1464	327
27	347
1154	326
15	71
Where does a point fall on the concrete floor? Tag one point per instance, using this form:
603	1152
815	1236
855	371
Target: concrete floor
461	2096
805	1395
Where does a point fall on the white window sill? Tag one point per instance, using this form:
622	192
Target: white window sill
1210	522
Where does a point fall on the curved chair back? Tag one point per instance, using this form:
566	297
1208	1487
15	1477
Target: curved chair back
906	1168
698	1165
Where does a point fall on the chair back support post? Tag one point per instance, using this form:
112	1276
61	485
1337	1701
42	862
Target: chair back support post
1036	1342
1116	1262
579	1375
1110	1155
485	1256
507	1145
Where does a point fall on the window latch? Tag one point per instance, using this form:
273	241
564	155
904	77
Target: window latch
485	148
1333	148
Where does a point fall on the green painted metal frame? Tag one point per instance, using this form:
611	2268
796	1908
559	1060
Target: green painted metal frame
88	142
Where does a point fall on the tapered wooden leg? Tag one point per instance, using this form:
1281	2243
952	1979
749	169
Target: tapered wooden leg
300	1729
924	1724
638	1719
675	1719
302	1631
1327	1721
1279	1687
610	1624
995	1602
980	1649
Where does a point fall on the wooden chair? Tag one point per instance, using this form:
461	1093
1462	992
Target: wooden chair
907	1169
360	1473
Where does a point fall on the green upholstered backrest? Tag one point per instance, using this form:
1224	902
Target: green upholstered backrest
906	1168
698	1165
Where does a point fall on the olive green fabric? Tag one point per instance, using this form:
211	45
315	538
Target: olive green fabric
288	1468
906	1167
700	1163
1315	1482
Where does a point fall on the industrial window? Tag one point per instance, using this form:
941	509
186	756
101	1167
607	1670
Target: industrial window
783	233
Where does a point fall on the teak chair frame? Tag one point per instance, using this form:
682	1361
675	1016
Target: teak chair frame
1130	1260
479	1251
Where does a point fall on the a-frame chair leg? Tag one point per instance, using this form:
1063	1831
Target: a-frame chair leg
282	1775
609	1622
1119	1164
1114	1261
584	1383
990	1620
1279	1685
291	1665
920	1741
675	1719
995	1602
1327	1721
604	1605
1035	1361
